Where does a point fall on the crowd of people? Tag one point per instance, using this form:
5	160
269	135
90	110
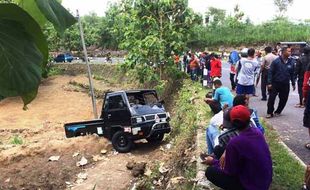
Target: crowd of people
238	155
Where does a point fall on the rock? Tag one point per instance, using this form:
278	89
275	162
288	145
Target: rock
176	180
54	158
82	176
7	180
79	181
162	169
130	164
168	146
103	151
75	154
82	162
148	172
97	158
137	168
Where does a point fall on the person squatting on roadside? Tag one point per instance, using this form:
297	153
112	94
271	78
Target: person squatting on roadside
222	96
233	60
300	69
280	74
267	60
246	163
246	69
306	95
219	132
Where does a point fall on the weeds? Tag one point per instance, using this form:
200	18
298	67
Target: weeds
17	140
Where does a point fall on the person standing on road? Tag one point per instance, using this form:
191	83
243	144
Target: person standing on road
194	66
267	60
306	95
300	69
246	70
257	71
216	66
279	75
233	59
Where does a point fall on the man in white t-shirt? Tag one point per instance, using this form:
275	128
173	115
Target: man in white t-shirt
246	72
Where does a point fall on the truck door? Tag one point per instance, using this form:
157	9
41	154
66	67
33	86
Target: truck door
117	112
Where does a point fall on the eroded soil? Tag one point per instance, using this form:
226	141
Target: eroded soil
26	165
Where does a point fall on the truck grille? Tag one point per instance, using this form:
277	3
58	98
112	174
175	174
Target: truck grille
149	117
163	115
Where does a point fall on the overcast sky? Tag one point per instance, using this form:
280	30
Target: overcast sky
257	10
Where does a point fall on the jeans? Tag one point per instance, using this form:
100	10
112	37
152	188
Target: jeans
222	180
282	90
194	76
211	133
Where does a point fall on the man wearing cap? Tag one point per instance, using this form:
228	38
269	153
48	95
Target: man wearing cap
247	162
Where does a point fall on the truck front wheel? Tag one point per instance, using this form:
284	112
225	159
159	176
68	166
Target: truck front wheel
156	138
121	142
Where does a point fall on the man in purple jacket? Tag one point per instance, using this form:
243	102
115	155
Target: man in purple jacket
247	163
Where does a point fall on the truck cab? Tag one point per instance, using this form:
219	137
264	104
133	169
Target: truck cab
127	116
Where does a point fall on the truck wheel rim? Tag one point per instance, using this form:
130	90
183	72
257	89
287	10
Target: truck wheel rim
122	141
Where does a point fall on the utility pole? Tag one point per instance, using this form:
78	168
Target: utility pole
88	67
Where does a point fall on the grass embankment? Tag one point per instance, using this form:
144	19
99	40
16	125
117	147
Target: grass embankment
287	172
190	112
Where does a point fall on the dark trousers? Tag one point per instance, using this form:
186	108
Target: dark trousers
222	180
299	86
282	90
218	151
232	81
215	107
264	78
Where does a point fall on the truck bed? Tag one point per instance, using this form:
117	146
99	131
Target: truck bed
84	128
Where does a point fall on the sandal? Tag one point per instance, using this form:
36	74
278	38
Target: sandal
299	106
307	146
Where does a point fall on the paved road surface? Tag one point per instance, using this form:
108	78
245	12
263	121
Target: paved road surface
288	125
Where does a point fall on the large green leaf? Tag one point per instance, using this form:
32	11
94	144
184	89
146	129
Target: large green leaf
13	12
56	14
31	7
20	60
28	97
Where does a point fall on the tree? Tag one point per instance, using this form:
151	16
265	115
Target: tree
153	30
23	47
282	6
215	16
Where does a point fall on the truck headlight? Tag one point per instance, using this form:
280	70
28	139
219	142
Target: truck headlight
139	119
168	114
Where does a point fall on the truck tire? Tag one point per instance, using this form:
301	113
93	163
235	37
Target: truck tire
156	138
121	142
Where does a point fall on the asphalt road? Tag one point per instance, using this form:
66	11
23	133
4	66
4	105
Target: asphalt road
288	125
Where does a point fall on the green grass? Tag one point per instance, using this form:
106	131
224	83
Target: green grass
17	140
288	174
53	71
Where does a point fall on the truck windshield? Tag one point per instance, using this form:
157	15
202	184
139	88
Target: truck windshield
142	99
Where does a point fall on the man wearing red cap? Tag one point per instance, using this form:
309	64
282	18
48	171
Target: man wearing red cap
247	162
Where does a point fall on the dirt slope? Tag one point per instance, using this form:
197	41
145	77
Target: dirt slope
26	165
